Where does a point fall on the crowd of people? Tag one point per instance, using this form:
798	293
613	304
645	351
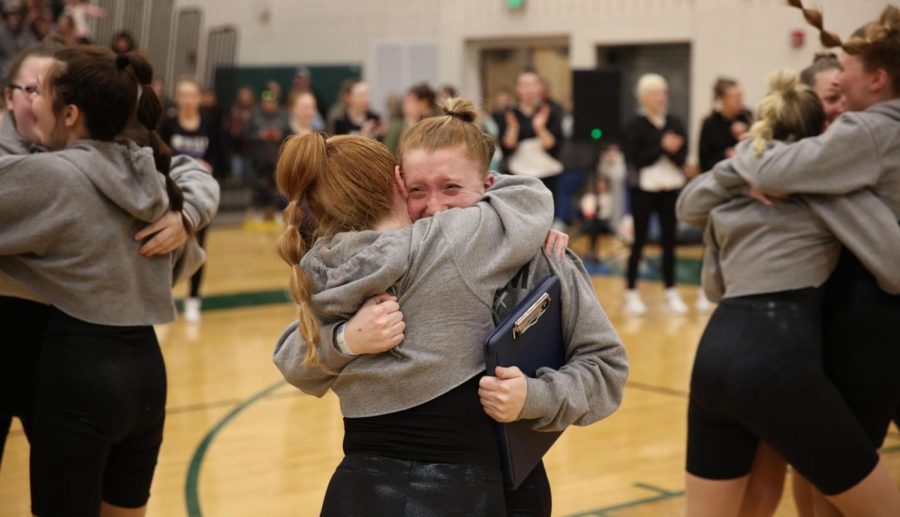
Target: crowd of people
799	203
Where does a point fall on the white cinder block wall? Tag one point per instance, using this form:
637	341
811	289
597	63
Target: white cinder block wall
742	38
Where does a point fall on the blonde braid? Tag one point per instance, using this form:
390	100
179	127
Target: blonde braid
782	84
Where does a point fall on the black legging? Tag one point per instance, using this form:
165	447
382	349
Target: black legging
98	418
643	204
197	278
366	484
24	325
862	356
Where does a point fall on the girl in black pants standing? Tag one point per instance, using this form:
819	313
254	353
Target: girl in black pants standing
101	389
655	150
192	132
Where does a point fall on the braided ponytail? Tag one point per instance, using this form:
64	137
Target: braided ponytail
301	162
814	17
876	44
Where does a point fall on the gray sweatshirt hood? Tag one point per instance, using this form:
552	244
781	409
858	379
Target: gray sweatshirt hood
890	109
351	267
124	173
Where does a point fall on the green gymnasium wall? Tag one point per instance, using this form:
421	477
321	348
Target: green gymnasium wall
326	80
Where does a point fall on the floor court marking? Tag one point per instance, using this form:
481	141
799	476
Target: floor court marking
688	274
657	389
661	495
192	499
191	494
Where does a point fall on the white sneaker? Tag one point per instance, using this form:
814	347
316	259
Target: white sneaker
702	304
674	301
192	310
633	303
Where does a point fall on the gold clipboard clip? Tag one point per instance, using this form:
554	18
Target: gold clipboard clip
531	316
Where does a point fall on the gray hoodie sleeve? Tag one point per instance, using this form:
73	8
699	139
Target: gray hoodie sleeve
707	191
32	216
590	385
509	227
290	354
843	159
868	228
200	188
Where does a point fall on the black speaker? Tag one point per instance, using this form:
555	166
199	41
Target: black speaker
596	105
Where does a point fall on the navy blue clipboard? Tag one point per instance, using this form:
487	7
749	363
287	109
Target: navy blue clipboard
530	337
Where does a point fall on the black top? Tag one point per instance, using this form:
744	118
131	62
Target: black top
345	126
643	145
452	428
716	136
203	143
526	130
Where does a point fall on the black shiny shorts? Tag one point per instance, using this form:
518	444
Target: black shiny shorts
368	485
759	376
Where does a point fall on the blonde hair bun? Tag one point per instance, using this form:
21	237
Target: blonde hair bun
460	108
783	82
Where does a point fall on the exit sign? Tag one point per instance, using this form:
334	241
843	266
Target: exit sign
515	4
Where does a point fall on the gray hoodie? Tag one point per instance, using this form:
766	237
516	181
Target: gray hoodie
444	270
201	202
860	149
67	221
753	248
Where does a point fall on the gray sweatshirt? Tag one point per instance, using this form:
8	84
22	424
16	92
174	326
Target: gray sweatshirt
67	221
444	271
753	248
860	149
201	202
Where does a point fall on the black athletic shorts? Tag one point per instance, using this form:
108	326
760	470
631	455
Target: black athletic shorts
99	417
24	324
862	346
758	375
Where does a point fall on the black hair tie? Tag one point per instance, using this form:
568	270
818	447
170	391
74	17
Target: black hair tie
457	115
122	61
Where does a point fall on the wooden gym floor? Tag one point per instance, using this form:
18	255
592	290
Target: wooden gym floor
240	442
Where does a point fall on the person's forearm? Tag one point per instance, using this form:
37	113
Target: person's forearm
548	141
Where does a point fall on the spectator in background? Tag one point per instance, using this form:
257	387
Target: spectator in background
65	33
501	103
728	124
15	36
209	104
303	114
193	132
418	103
169	109
531	135
123	42
358	119
275	87
339	108
236	128
267	129
822	77
80	11
302	83
446	93
655	151
725	126
547	98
